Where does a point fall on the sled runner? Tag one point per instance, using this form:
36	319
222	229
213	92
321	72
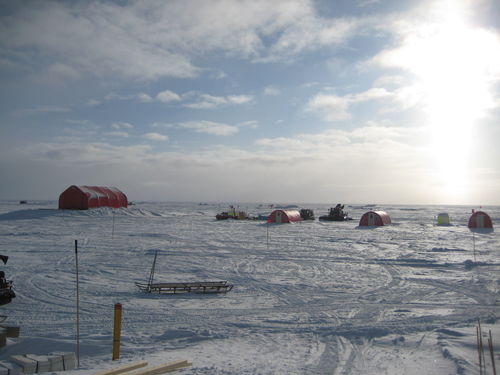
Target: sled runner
187	287
191	287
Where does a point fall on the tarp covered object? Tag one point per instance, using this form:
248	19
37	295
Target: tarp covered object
374	218
480	219
85	197
284	216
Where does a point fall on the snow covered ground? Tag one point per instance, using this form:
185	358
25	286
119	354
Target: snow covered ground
308	298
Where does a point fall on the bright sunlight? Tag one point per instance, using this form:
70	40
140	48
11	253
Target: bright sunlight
454	64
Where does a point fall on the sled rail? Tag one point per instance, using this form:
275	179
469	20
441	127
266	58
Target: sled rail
188	287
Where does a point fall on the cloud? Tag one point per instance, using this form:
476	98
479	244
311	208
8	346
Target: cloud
118	134
155	137
209	127
206	101
40	110
145	98
271	91
330	107
336	108
149	40
168	96
122	125
239	99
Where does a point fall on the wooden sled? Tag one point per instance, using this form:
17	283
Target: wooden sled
188	287
191	287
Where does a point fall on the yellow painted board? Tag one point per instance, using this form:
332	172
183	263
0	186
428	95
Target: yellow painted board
161	369
122	369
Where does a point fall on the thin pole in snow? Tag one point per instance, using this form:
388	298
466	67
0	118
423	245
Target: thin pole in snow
77	307
474	245
492	354
267	234
479	351
113	230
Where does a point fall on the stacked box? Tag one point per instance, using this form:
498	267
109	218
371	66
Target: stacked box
56	363
28	365
69	359
42	362
12	368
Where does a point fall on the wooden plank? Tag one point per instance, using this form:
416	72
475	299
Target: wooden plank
122	369
162	369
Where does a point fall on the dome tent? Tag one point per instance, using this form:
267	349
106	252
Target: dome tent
374	218
443	219
284	216
480	219
85	197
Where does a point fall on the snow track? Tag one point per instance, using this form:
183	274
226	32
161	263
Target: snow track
311	297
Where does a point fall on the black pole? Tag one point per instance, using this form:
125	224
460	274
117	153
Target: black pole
77	307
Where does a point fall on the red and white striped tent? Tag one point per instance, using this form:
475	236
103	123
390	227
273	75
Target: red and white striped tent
85	197
284	216
480	219
374	218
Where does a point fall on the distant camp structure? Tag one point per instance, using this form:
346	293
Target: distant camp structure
479	220
85	197
232	213
284	216
443	219
374	218
336	213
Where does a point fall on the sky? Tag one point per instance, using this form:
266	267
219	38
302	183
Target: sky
354	101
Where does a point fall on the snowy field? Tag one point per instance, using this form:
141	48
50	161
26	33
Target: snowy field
308	298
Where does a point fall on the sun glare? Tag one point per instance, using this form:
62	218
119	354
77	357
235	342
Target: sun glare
453	63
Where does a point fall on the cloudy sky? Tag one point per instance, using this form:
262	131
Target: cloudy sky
356	101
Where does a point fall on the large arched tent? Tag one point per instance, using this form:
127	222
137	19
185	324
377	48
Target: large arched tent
284	216
480	219
374	218
85	197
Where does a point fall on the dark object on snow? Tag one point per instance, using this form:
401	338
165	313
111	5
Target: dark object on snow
232	214
4	258
188	287
6	292
336	214
23	202
307	214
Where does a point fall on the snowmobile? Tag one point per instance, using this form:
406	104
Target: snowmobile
336	214
307	214
6	292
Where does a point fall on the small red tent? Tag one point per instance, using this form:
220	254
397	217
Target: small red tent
374	218
284	216
85	197
480	219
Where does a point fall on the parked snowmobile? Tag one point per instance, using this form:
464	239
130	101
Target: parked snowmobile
6	292
307	214
336	214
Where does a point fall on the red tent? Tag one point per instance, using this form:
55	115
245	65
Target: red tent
480	219
284	216
85	197
374	218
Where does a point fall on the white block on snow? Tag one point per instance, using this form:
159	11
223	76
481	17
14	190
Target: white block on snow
28	365
69	359
4	370
12	368
42	362
56	363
